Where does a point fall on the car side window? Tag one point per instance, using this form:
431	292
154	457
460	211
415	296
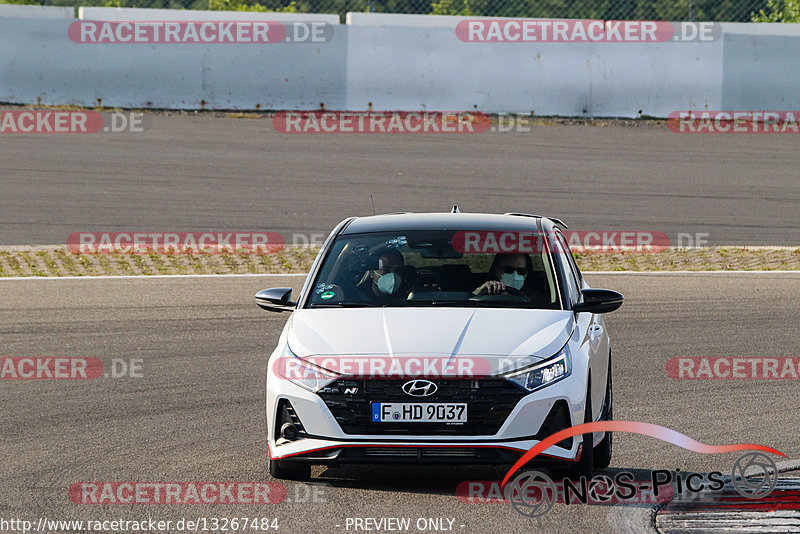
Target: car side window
571	273
571	259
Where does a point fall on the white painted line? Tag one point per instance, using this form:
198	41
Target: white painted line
117	277
692	272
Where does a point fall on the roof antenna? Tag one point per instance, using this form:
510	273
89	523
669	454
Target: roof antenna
373	203
455	209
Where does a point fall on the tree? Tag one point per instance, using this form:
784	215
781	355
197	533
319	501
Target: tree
780	11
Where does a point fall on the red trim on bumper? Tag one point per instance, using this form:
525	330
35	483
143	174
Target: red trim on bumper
393	445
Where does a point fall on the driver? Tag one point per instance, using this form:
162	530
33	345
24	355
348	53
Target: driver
386	280
507	270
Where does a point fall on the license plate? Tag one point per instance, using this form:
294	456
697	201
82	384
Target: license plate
419	412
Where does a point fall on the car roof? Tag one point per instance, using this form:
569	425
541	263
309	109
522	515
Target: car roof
401	222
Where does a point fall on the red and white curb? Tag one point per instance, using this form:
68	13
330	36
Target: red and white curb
727	511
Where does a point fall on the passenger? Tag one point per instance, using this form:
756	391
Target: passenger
385	281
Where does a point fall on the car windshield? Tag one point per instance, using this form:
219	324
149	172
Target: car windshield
431	268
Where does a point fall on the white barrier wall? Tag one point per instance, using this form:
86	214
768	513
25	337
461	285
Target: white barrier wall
761	72
401	67
39	63
36	12
760	28
420	21
132	13
572	79
394	19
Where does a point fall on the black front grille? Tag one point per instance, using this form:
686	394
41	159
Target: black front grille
433	452
489	402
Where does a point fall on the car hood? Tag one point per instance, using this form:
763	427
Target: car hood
497	339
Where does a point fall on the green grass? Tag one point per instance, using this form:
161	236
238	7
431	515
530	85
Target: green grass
33	266
141	265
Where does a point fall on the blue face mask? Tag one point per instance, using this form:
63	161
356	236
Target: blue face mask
389	283
512	280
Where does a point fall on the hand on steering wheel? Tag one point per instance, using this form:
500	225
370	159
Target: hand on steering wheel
491	287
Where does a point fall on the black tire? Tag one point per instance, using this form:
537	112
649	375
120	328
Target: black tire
294	471
602	453
585	466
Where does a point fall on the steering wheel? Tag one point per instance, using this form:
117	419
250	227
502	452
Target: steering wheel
350	285
512	292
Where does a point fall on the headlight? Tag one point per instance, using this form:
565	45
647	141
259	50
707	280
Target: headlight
304	374
543	373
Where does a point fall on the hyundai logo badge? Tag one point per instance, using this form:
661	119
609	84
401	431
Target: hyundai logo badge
420	388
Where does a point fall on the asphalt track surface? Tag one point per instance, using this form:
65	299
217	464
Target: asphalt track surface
197	414
192	173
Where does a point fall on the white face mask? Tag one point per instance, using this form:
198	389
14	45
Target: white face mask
513	280
388	283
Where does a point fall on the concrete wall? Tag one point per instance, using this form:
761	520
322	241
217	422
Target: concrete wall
402	65
131	13
393	19
38	63
35	12
399	68
761	72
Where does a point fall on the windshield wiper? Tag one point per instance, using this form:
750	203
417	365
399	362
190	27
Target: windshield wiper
344	305
422	304
457	303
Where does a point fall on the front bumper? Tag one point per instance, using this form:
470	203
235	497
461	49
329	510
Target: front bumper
323	452
323	441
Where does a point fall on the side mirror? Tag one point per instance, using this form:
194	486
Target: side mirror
275	299
598	301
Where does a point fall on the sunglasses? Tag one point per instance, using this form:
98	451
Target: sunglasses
522	271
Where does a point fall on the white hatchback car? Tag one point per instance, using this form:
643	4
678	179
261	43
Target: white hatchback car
434	338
